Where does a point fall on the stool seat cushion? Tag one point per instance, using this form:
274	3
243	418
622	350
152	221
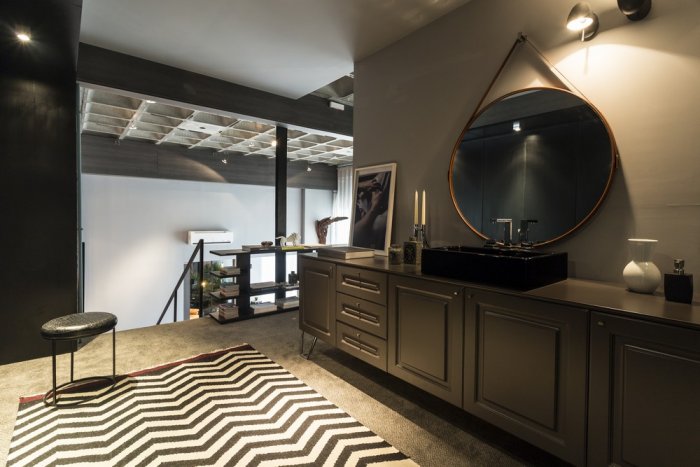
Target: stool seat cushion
78	325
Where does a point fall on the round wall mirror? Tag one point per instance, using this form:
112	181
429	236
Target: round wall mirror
542	158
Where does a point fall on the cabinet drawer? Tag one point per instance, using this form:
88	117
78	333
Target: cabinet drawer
361	283
362	345
362	314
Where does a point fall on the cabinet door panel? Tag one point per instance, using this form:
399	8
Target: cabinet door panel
317	299
522	355
644	407
425	337
525	365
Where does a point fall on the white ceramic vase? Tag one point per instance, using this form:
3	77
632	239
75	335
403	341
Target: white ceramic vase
641	274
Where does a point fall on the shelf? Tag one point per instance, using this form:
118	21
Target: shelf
217	294
248	315
272	289
263	250
223	275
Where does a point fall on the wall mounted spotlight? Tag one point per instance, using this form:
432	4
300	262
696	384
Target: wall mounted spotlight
634	10
583	19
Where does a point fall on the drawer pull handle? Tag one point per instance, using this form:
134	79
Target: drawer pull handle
601	323
361	346
360	284
357	314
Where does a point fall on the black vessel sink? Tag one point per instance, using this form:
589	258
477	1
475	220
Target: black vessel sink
516	268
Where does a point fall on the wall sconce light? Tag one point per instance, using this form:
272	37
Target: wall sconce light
634	10
583	19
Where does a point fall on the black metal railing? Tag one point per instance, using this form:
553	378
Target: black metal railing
173	296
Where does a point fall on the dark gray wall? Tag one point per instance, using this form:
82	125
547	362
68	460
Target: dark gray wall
413	99
38	182
108	156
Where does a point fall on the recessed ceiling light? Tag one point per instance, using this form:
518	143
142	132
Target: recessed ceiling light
24	37
516	126
274	143
132	127
149	101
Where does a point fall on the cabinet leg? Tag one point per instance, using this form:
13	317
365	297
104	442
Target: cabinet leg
311	349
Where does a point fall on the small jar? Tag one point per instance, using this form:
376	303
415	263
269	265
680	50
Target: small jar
395	254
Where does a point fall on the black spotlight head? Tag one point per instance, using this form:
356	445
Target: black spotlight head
634	10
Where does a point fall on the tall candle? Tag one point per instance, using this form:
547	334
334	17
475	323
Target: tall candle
423	216
415	209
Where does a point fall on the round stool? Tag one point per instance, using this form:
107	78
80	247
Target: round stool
73	327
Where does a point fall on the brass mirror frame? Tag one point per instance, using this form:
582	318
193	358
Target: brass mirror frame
614	154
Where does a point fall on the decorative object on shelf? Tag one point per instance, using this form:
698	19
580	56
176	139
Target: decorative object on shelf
395	254
373	207
419	229
292	278
412	251
678	287
634	10
641	274
266	244
322	227
293	238
345	252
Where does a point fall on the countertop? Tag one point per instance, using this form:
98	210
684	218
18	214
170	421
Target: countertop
593	295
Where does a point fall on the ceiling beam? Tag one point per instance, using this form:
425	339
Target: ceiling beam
115	70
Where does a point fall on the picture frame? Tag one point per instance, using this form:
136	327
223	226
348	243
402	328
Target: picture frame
373	207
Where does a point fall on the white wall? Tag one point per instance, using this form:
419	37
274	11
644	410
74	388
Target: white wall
135	237
413	98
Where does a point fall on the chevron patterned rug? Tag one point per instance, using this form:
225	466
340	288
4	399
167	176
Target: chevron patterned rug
231	407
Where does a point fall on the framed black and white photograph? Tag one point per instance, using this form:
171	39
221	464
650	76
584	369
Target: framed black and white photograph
373	207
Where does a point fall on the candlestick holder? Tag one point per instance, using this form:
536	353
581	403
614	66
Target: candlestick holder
419	234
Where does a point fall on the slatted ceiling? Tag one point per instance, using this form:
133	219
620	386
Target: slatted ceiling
318	139
139	134
114	100
300	144
341	143
104	120
108	113
97	128
160	120
213	119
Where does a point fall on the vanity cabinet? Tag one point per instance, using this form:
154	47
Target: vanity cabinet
644	401
426	319
317	298
525	370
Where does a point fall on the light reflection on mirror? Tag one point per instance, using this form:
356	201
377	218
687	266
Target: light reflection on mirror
541	155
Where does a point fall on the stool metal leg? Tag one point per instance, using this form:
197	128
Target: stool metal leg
53	367
114	355
71	365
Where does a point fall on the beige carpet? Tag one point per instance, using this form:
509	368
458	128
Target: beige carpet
431	432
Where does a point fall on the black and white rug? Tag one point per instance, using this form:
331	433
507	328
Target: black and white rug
231	407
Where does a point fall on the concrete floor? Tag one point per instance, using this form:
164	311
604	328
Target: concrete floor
430	431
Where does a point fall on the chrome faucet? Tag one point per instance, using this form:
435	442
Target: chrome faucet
507	229
524	231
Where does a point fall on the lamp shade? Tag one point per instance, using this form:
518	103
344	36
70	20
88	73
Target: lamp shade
581	18
634	10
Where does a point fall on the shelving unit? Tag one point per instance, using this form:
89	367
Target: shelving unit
246	290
